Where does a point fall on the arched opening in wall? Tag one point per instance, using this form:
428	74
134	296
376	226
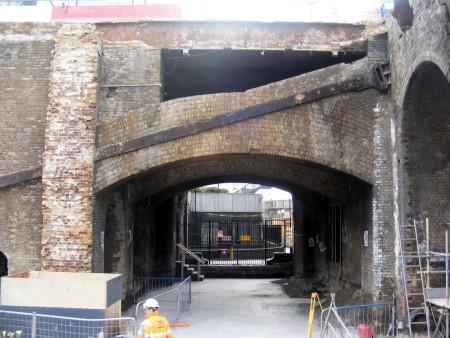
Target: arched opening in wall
225	224
147	216
426	140
196	72
3	265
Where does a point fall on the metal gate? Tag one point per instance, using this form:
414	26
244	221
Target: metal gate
239	241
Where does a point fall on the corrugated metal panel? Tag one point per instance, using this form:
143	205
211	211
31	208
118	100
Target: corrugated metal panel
221	202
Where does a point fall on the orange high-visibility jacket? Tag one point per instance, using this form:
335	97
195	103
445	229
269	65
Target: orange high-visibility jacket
154	325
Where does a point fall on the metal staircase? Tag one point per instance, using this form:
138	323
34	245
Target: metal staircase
413	279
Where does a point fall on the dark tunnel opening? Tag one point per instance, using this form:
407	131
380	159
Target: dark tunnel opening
196	72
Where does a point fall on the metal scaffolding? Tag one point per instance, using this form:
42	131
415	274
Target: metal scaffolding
437	298
421	298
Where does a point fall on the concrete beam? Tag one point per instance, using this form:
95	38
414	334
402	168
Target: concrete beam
238	35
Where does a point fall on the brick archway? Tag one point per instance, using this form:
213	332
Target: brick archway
283	172
311	134
426	141
333	131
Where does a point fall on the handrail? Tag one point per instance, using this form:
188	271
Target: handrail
190	253
185	251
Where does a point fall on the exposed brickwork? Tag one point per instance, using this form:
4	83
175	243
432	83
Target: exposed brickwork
301	132
378	272
426	40
112	244
98	234
21	225
422	186
130	77
356	149
377	48
67	169
274	170
25	56
357	218
24	69
427	138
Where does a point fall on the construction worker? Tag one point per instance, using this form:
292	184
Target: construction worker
154	325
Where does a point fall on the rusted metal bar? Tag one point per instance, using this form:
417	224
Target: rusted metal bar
20	176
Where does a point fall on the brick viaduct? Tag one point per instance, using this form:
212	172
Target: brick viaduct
97	150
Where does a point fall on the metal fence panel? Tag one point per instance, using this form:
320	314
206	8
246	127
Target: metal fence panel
243	241
173	300
16	322
25	325
173	294
145	286
377	316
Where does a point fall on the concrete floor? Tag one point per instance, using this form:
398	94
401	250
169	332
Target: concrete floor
243	308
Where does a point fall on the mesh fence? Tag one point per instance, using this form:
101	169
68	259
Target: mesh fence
348	319
144	287
173	295
18	324
173	300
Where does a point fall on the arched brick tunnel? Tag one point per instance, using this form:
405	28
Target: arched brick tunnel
320	151
426	140
155	202
90	177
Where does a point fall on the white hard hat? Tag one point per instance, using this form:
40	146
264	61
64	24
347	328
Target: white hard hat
151	303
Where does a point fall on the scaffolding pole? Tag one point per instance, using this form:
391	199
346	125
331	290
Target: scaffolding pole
435	297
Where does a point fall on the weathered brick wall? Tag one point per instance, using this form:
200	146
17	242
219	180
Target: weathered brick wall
343	123
420	63
426	136
118	229
377	272
238	35
98	236
113	237
337	133
357	217
130	77
420	120
426	40
21	225
359	134
25	56
69	146
24	73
